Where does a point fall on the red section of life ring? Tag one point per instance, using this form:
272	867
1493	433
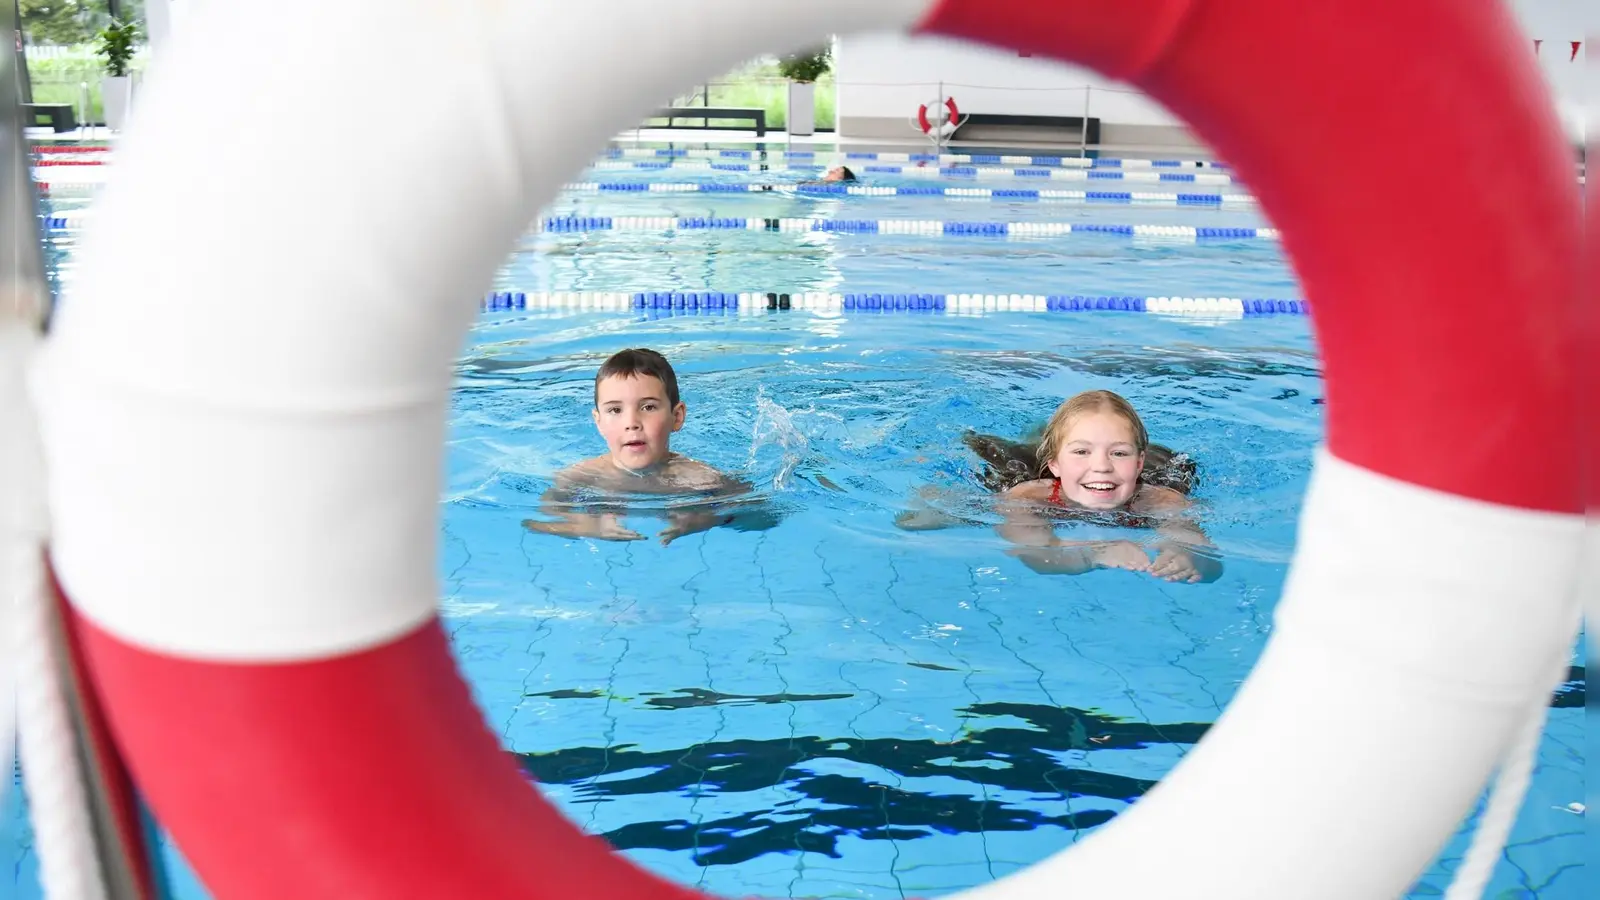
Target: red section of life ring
1410	299
1447	325
952	115
391	753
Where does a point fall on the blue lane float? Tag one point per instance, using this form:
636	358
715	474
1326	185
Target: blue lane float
957	170
928	227
1078	162
921	227
746	302
925	227
1159	198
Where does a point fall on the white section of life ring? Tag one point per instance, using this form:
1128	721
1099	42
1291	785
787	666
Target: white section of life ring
325	380
325	376
1360	634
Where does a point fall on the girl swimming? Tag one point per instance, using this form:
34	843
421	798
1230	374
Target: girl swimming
1093	454
1007	463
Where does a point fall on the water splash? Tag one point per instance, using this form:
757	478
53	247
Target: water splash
775	434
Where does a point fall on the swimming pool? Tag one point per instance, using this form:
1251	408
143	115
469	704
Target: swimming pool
835	707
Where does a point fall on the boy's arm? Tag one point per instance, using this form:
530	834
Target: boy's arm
683	523
727	503
605	527
570	523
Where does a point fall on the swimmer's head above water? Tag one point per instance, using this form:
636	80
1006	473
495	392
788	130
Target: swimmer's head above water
1094	447
839	173
636	408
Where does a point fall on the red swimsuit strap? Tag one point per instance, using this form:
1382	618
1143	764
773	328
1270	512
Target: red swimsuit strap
1055	492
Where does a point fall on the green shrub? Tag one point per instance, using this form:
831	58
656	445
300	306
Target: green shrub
808	65
60	79
773	96
114	44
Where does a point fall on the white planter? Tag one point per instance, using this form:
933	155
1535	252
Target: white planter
116	97
802	114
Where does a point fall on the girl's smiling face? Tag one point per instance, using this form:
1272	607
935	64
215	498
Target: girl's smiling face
1099	461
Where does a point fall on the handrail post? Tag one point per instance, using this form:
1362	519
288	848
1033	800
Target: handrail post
1083	135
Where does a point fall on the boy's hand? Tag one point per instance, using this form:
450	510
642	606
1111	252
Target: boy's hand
604	528
609	528
1122	555
690	523
1175	564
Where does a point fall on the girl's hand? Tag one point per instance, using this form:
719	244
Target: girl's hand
1175	564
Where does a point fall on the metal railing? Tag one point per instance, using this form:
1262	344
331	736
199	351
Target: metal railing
1076	101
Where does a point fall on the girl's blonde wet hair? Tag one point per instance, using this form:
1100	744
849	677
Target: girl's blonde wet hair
1084	404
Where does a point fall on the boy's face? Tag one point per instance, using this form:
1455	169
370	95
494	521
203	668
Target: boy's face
632	414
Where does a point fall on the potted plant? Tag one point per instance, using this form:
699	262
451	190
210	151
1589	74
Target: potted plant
803	69
114	45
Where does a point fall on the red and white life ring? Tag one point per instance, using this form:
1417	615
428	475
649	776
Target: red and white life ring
244	428
947	123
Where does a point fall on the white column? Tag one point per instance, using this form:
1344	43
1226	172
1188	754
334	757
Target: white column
158	15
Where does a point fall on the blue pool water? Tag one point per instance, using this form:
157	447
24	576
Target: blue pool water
835	707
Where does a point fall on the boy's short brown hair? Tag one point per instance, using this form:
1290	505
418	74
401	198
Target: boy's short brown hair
638	361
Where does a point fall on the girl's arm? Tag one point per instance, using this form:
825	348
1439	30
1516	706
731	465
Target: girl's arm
1183	552
1040	550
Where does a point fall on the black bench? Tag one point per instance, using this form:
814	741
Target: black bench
975	122
707	113
58	115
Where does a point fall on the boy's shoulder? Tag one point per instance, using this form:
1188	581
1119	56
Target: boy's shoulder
588	472
694	475
676	473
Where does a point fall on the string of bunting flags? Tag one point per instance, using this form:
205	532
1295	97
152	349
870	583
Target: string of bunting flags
1571	57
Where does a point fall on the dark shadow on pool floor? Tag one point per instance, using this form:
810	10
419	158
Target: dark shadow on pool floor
827	805
1002	757
1571	693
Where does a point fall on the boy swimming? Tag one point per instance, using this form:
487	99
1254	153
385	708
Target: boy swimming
636	410
1094	450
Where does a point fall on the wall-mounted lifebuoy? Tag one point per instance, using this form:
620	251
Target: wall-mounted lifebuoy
244	486
947	122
